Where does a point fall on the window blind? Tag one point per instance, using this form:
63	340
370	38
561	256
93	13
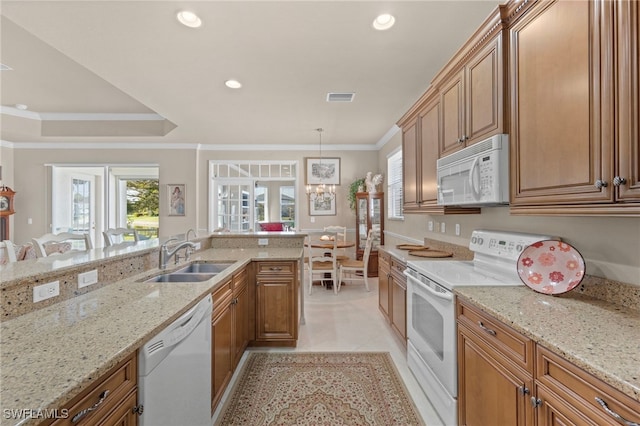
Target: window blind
394	185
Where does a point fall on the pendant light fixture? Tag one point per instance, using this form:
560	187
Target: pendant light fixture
321	191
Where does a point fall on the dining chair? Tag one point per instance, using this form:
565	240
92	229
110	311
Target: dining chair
322	258
117	235
60	243
341	233
9	251
356	270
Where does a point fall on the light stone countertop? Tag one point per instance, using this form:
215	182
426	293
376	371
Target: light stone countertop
597	336
50	355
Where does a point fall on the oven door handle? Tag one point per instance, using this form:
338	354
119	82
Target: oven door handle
445	296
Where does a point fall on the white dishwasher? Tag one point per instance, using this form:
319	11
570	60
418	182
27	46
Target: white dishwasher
174	371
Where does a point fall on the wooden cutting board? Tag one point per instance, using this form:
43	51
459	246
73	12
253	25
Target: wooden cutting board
430	253
411	247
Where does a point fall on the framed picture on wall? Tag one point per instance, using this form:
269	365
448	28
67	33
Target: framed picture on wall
176	198
322	170
322	207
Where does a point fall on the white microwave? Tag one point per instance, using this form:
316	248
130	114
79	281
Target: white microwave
477	175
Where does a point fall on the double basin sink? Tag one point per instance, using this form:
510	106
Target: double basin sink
195	272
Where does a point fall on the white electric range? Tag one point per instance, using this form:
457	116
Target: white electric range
431	322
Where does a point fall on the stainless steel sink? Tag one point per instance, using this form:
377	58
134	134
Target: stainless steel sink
202	267
177	277
195	272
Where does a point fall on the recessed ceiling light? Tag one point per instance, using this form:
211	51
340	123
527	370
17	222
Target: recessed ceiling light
384	22
22	107
233	84
189	19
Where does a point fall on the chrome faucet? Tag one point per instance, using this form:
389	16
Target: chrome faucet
166	254
190	231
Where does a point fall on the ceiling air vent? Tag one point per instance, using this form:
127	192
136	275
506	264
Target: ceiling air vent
340	97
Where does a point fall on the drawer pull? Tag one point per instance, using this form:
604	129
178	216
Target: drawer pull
276	268
615	415
488	330
523	390
95	406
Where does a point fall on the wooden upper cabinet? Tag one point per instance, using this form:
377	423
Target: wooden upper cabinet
429	142
628	55
473	98
409	166
563	126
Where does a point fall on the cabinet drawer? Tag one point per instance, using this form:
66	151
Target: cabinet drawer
108	392
275	268
580	389
397	266
222	297
506	340
384	257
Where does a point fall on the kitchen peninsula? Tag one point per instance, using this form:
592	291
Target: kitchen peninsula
52	354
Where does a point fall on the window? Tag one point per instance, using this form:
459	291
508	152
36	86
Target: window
394	185
245	194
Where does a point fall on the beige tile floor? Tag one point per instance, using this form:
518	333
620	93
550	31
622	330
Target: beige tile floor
351	321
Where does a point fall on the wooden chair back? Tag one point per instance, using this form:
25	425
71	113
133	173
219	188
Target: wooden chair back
40	244
117	235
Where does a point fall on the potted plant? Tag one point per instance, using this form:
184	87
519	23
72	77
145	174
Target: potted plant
355	187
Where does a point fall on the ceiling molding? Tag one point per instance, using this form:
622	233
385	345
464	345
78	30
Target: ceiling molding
195	147
387	136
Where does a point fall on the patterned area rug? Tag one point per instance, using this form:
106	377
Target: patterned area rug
306	388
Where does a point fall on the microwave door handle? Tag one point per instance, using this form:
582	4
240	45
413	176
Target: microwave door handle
445	296
472	181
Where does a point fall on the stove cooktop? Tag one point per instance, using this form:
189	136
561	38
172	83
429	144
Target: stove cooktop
494	264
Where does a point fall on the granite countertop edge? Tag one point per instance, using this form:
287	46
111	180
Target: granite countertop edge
597	336
52	354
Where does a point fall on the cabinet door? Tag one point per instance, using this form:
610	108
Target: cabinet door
276	315
399	309
629	100
429	146
484	96
383	284
561	132
221	352
452	100
240	316
123	414
409	167
491	391
555	411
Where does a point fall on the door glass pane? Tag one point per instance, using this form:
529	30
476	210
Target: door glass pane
234	212
288	206
81	205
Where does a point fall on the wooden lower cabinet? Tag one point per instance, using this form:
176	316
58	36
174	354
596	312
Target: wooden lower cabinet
384	274
276	303
506	379
221	341
491	389
398	289
392	293
229	331
113	398
240	307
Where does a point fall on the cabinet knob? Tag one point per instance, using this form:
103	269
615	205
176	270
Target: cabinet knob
460	140
601	184
617	181
523	390
535	402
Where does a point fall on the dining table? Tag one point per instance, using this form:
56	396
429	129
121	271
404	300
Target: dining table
329	245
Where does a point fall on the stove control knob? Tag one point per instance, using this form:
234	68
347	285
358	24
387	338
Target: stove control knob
519	248
480	241
473	240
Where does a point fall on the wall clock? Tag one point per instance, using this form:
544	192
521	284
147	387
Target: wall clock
6	210
6	201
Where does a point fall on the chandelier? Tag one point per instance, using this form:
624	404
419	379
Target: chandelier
321	191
